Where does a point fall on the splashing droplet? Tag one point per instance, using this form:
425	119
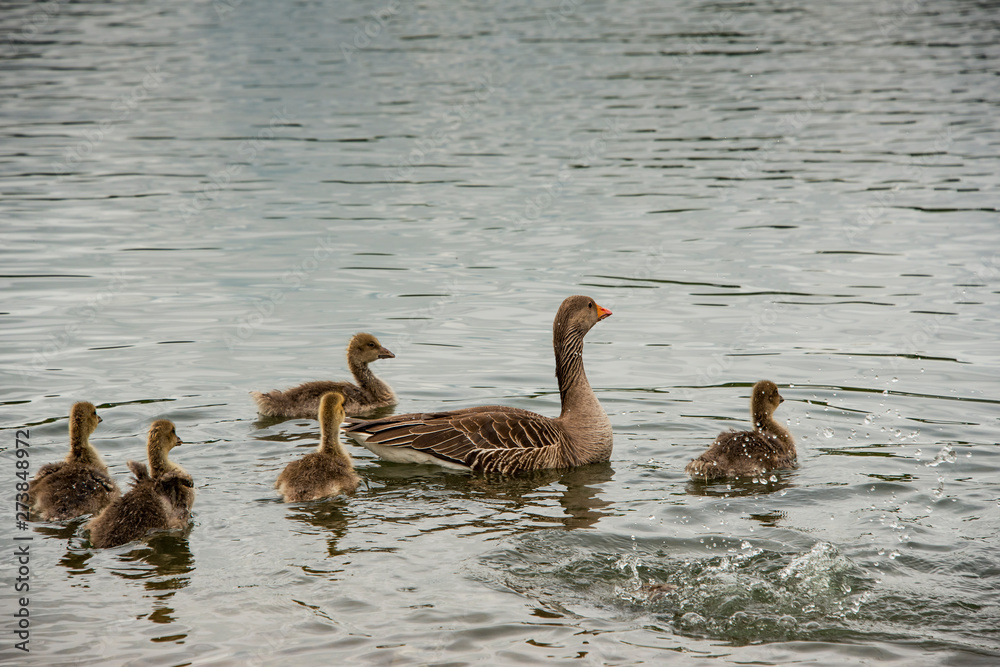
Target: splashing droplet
828	432
946	455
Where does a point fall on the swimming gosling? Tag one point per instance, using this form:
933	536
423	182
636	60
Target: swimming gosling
161	497
369	394
80	484
327	471
749	453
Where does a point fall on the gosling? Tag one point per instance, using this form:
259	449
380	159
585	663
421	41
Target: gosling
749	453
160	499
327	471
369	394
80	484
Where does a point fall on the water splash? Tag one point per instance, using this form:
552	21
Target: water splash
946	455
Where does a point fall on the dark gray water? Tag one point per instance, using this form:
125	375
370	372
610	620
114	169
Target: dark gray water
200	199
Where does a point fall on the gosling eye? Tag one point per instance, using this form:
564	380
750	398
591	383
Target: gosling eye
371	344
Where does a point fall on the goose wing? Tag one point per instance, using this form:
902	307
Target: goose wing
487	439
138	469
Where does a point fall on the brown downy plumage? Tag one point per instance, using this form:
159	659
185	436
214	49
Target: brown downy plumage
370	392
80	484
505	440
749	453
161	497
327	471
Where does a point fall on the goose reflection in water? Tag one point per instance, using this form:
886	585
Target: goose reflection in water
773	482
168	561
331	516
514	498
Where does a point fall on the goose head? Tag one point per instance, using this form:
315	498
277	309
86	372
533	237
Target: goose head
577	315
764	400
83	418
162	438
331	411
365	348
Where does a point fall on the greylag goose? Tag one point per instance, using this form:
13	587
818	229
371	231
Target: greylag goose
499	439
370	392
749	453
80	484
160	498
327	471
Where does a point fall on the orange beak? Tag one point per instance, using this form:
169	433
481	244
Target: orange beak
602	312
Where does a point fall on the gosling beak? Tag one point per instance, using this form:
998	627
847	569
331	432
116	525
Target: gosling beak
602	312
781	399
99	420
383	353
178	443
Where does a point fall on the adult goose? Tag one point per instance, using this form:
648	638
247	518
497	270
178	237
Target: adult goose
500	439
81	483
749	453
368	394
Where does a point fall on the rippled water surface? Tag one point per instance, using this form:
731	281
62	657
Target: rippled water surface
201	199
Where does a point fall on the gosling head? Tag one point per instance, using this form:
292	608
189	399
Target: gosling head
83	418
764	400
162	438
365	347
579	314
331	409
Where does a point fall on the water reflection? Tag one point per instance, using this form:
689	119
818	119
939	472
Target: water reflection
775	481
75	560
485	503
580	497
769	519
330	516
169	561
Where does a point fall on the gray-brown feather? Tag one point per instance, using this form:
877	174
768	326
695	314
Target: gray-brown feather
151	504
491	438
316	476
741	454
369	393
302	402
69	489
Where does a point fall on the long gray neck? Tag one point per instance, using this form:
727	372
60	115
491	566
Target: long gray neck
764	422
80	448
158	462
329	434
582	415
578	399
368	381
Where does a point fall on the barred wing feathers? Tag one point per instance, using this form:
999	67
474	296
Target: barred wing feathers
486	439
